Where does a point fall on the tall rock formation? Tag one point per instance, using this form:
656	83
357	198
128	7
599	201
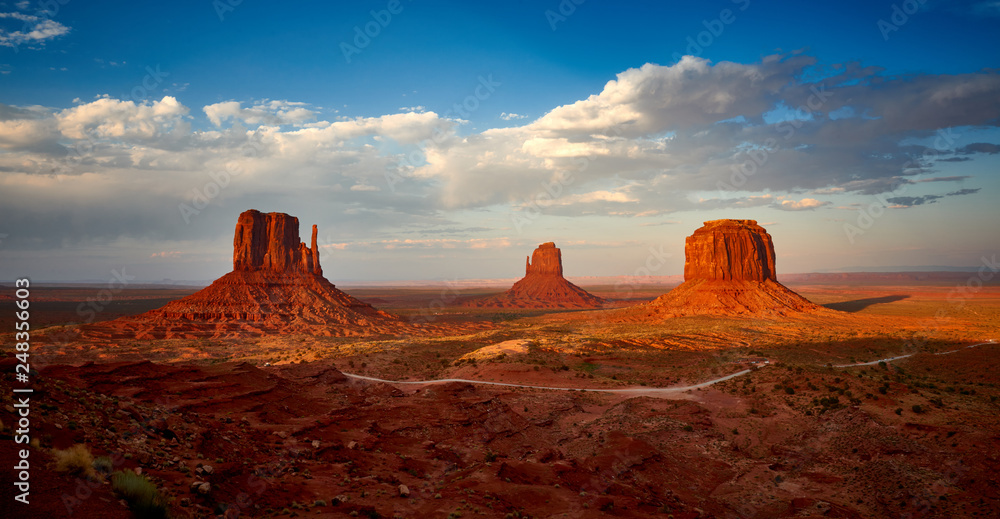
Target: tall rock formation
543	286
729	250
276	286
729	269
271	242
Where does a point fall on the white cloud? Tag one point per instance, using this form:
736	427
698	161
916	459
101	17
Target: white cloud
34	30
512	116
265	112
806	204
114	118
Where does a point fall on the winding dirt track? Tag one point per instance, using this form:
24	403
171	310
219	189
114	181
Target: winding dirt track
672	389
890	359
637	390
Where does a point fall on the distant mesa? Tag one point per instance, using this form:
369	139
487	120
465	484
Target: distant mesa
543	286
729	270
276	285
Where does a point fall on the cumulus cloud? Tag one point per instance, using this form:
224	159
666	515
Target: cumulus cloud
653	141
107	117
699	126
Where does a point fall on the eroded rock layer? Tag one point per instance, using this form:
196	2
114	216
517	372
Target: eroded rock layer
543	286
276	286
729	269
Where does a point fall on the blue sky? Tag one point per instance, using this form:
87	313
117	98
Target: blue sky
113	119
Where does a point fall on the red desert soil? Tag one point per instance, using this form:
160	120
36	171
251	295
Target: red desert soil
246	399
543	286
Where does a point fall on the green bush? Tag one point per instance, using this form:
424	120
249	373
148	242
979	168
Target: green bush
103	465
143	499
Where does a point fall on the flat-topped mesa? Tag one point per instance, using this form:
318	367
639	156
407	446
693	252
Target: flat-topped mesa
729	270
729	250
546	260
270	242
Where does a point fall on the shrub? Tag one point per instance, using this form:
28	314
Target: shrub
143	499
75	460
103	465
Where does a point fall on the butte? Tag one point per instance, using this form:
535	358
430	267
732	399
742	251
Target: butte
543	286
276	286
729	270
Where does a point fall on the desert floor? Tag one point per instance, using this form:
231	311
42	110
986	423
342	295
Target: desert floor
290	427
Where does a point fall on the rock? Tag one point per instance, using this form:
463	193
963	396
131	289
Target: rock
546	260
543	286
271	242
276	286
207	469
404	491
204	488
315	444
729	250
729	269
352	445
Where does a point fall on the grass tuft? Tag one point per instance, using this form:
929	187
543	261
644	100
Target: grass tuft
143	499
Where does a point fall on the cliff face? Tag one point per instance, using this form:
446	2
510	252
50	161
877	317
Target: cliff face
543	286
729	250
546	260
270	242
729	269
276	286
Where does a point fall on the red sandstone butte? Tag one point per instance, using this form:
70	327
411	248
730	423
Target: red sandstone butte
543	286
276	286
729	269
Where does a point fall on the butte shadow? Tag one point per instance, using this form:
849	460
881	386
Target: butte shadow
543	286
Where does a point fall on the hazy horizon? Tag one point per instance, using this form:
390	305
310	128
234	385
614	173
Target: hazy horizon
435	140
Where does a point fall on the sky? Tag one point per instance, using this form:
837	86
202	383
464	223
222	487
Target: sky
446	140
